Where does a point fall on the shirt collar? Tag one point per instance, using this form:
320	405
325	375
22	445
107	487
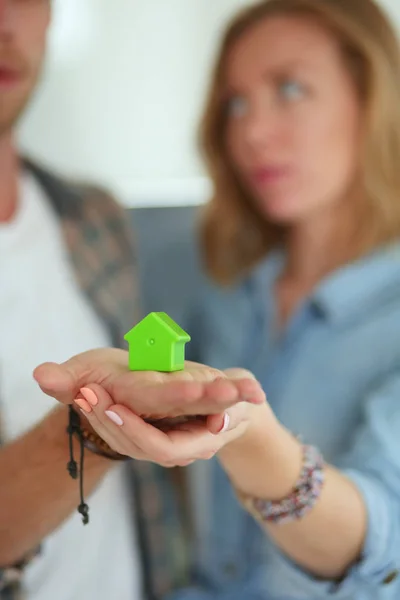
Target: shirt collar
360	286
350	291
65	199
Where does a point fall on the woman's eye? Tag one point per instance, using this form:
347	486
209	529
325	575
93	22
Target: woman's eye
237	106
291	90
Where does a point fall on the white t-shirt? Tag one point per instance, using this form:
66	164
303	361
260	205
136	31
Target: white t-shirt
44	316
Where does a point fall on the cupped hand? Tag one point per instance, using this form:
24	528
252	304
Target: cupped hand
165	443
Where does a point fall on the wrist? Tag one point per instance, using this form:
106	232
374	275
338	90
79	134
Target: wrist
265	461
92	441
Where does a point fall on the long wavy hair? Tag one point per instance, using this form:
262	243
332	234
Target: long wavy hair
234	235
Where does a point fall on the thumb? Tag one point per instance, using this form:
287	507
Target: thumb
229	420
57	381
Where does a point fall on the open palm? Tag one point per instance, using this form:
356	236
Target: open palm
197	390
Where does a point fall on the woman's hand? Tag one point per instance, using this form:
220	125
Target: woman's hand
165	443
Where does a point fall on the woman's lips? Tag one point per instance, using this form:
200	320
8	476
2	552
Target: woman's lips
270	175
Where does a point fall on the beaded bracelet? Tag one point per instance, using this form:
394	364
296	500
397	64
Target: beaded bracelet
299	502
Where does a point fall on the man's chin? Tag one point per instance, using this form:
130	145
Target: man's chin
11	114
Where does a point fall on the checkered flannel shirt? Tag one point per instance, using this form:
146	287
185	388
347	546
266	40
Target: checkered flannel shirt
96	233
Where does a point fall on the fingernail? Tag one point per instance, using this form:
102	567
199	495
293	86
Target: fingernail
90	396
114	417
225	425
83	405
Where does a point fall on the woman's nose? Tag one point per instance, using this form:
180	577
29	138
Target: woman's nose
261	126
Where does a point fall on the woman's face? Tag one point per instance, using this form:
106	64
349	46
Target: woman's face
293	118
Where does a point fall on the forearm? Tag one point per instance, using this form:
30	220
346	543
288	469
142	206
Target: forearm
330	537
329	540
36	492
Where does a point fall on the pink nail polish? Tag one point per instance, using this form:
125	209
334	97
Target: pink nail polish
83	405
114	418
225	425
90	396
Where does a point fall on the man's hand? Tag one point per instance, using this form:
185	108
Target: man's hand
197	390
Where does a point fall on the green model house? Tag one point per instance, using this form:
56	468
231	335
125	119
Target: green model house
157	343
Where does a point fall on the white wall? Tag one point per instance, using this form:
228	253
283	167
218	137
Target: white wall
122	93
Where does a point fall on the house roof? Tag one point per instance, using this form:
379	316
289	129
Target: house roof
180	333
165	321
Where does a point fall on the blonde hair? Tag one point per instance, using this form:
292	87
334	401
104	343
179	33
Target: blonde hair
234	236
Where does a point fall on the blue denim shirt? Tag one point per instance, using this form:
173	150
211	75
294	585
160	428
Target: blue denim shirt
333	376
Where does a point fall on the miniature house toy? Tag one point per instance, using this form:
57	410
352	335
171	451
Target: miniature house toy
157	343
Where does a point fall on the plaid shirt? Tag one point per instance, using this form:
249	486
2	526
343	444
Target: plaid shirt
98	239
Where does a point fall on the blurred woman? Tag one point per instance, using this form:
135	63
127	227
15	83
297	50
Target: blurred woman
300	246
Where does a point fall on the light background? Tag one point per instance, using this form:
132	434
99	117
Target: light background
122	92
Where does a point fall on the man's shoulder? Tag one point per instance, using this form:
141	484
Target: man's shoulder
72	196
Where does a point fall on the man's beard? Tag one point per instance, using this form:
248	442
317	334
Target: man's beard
14	102
11	111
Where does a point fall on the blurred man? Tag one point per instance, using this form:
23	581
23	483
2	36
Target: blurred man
66	285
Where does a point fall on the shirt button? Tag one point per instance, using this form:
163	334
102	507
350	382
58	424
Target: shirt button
390	577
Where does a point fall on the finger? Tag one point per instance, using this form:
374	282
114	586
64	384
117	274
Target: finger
173	398
168	398
90	419
243	390
63	381
89	398
229	420
152	442
238	373
57	382
250	390
218	423
122	429
94	402
176	447
247	385
96	397
223	394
